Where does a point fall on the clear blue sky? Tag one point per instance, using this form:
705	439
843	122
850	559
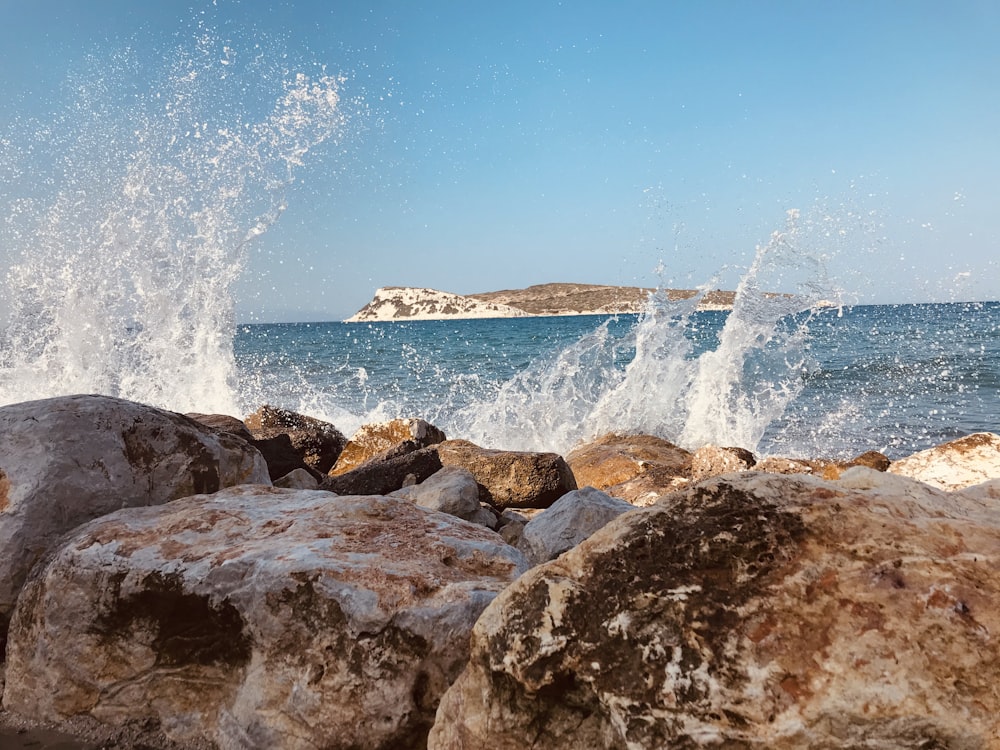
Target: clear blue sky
498	145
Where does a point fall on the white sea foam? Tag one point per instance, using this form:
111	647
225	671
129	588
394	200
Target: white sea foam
130	223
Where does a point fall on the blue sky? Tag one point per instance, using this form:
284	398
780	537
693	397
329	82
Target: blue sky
498	145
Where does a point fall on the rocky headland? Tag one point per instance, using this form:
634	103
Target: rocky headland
411	303
204	581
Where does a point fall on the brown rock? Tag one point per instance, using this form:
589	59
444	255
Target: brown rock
380	475
636	468
223	423
713	460
317	443
750	611
257	618
511	479
387	439
67	460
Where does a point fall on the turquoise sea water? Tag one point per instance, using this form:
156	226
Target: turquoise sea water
894	378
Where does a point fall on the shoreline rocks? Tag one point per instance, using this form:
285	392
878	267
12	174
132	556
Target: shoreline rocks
757	603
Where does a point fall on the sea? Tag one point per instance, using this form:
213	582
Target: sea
824	383
129	216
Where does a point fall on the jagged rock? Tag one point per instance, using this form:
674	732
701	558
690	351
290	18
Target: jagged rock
571	519
511	479
713	460
380	475
66	460
386	440
318	444
636	468
257	618
223	423
960	463
751	611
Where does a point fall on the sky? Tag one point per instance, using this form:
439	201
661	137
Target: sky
493	146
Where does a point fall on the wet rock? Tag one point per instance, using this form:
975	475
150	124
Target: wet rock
67	460
713	460
257	618
223	423
386	440
382	475
960	463
750	611
317	444
571	519
636	468
511	479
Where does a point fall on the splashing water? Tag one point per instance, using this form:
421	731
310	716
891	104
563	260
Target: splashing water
132	220
661	378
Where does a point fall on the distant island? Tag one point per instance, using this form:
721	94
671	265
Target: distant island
413	303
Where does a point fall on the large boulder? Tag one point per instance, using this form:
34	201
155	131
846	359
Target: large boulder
571	519
960	463
67	460
257	618
511	479
386	439
751	611
316	443
636	468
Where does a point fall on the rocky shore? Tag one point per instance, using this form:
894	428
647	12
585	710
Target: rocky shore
412	303
203	581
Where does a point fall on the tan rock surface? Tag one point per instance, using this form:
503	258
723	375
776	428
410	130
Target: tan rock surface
257	618
754	611
970	460
635	468
375	439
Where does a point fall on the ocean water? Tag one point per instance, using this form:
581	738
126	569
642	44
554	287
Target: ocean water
893	378
129	215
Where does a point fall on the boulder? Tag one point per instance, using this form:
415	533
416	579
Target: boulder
67	460
256	618
386	439
382	475
571	519
960	463
318	444
713	460
636	468
451	490
223	423
297	479
752	611
511	479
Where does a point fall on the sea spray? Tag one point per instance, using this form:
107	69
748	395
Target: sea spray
661	378
129	217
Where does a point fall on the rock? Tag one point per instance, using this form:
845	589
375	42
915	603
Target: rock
782	465
712	460
511	479
871	459
960	463
636	468
451	490
386	440
223	423
257	618
571	519
297	479
380	475
66	460
317	443
752	611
